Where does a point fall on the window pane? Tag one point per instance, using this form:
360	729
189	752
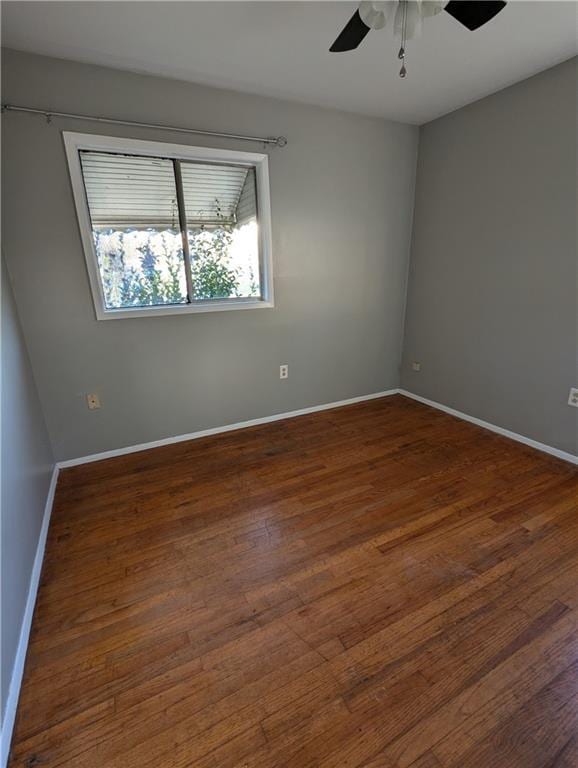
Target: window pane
221	210
135	226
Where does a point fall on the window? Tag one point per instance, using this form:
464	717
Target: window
169	228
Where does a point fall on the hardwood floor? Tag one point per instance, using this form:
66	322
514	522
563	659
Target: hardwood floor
378	585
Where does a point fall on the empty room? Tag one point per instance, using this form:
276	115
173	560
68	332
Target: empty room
289	412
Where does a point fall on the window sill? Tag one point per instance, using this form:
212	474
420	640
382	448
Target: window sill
184	309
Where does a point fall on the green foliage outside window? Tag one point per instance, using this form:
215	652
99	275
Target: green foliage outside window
212	275
152	271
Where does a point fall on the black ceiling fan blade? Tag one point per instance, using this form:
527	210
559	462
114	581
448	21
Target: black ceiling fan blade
351	35
473	13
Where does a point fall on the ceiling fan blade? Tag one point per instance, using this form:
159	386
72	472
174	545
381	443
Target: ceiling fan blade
351	35
473	13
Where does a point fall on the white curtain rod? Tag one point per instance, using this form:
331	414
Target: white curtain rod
277	141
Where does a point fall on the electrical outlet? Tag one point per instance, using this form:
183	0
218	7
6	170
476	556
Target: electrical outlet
416	366
93	401
283	371
573	399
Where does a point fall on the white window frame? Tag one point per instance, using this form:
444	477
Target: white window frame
75	142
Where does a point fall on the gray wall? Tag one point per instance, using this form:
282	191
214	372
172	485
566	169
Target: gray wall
342	198
26	471
491	310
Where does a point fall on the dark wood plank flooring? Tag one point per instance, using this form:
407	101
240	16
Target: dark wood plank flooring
374	586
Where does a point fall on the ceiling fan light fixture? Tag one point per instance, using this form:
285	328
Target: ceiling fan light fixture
407	17
374	15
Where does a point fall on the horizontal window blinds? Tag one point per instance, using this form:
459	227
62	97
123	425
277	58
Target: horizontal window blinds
140	192
125	191
212	192
247	206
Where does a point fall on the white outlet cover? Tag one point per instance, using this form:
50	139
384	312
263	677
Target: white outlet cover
573	399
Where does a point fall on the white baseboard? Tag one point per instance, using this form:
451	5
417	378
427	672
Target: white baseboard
493	428
18	668
313	409
219	430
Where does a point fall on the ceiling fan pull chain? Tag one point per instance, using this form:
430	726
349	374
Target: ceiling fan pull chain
401	54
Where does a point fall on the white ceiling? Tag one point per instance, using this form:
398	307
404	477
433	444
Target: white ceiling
281	49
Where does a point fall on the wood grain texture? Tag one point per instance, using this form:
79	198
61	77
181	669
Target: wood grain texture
377	586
